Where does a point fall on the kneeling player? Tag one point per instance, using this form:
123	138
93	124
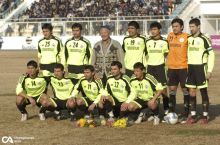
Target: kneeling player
119	91
62	88
29	89
91	93
148	90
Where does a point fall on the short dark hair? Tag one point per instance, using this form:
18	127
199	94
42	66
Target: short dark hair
59	66
155	24
32	63
77	25
89	67
139	65
47	26
177	20
134	24
195	21
116	63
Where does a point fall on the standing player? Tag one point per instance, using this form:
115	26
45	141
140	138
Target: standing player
200	65
177	65
91	90
50	50
119	91
157	50
148	90
106	51
29	90
134	47
62	88
78	51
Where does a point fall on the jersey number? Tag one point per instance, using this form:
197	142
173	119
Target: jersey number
116	84
89	87
132	42
33	83
47	44
141	86
60	84
75	44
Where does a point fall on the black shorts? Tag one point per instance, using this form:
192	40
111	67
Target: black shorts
36	100
48	67
60	104
176	76
129	73
87	101
196	76
116	107
77	69
141	103
159	73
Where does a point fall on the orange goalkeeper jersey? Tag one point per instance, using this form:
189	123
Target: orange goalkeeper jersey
177	56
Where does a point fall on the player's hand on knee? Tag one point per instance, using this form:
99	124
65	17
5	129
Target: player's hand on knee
91	107
124	106
152	103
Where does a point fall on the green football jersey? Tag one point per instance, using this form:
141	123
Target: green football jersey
33	87
50	51
200	51
146	88
62	88
78	52
135	51
89	89
120	89
156	50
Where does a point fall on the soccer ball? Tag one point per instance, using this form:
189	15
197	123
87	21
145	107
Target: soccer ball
171	118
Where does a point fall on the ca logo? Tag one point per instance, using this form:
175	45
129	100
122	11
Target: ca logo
7	139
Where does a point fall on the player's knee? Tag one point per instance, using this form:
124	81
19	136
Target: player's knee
79	102
172	92
172	88
71	103
185	91
131	107
19	100
192	92
100	105
152	106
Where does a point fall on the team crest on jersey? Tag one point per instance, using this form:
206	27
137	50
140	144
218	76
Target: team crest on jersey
198	43
66	83
138	43
81	46
146	86
53	45
161	46
122	86
39	83
94	88
181	39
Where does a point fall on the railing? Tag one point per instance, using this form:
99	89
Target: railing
91	27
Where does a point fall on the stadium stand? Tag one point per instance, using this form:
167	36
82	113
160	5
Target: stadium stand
99	8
